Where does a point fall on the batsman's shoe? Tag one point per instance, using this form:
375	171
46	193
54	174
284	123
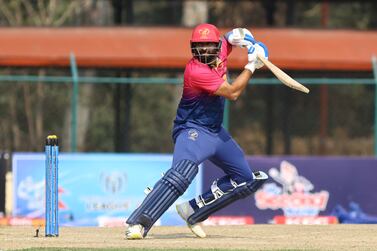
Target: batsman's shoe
134	232
185	210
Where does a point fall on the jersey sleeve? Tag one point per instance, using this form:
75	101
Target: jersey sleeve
207	81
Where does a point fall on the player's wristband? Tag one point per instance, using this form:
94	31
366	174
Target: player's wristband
250	66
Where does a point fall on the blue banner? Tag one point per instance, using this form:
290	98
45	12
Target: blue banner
94	189
307	187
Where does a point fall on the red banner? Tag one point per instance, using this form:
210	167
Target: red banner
228	220
305	220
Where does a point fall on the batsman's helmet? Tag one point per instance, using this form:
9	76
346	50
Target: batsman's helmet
202	35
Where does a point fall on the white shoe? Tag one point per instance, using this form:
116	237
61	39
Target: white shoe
185	210
135	232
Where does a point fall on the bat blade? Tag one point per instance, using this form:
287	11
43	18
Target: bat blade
282	76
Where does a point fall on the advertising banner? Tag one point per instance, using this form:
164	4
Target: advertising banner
300	189
94	189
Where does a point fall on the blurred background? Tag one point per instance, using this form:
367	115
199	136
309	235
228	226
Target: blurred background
106	76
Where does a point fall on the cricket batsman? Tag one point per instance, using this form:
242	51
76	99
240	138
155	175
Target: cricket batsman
198	134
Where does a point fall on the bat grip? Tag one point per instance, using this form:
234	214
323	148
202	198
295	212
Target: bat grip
262	58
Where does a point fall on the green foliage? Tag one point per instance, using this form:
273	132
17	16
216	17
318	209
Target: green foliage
341	14
153	112
292	117
100	134
163	12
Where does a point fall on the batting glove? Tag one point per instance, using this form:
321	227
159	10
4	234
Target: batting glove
240	37
261	49
252	51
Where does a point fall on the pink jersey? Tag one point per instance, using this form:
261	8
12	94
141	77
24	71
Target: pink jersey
199	107
199	77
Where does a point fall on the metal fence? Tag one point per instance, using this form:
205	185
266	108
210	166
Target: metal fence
76	80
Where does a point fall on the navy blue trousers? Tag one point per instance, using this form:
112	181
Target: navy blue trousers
220	148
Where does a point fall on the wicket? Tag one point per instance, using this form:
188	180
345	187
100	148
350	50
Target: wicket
51	183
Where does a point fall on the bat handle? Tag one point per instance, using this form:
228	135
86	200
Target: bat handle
262	58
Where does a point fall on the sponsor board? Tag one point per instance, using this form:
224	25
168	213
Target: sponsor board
290	192
94	189
305	189
21	221
305	220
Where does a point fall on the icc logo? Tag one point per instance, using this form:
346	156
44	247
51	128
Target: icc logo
113	182
204	33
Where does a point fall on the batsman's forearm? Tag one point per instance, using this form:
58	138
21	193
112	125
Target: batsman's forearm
240	83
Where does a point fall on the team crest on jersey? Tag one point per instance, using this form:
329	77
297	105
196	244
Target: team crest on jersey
193	134
204	33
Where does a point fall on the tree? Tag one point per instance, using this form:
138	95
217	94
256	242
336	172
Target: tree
43	13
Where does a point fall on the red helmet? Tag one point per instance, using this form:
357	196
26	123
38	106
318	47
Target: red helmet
205	33
202	34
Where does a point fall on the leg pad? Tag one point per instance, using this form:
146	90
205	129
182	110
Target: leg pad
222	199
164	194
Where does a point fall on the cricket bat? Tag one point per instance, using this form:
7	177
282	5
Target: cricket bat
282	76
